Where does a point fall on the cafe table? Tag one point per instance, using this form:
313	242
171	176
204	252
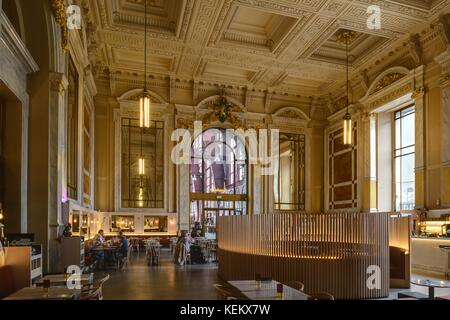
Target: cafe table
110	254
431	285
38	293
267	290
61	279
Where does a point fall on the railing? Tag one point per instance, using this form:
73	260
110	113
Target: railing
345	254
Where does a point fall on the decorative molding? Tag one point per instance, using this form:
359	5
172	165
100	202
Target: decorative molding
246	59
387	80
59	11
58	81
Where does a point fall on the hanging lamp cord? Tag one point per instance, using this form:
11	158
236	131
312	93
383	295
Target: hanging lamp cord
145	46
346	51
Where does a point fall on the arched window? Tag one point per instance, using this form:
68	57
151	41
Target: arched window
218	178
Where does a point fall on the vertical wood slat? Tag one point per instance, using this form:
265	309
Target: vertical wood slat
328	251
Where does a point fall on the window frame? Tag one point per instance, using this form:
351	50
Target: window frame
395	150
72	134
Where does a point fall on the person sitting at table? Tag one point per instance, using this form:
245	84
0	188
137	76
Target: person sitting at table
99	242
122	250
198	233
123	244
183	248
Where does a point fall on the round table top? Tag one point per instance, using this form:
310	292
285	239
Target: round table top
430	283
104	248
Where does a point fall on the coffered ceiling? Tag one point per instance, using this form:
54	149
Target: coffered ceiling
281	45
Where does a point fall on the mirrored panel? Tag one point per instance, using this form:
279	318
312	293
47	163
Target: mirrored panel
289	179
155	224
124	223
142	159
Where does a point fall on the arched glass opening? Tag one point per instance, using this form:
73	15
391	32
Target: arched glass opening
218	179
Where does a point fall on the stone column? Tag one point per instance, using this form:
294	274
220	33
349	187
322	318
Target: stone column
183	196
420	172
370	180
444	60
58	87
256	191
171	176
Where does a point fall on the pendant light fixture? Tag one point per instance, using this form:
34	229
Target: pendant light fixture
346	37
141	171
144	101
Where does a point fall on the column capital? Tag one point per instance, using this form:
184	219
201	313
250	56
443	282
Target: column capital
418	94
58	81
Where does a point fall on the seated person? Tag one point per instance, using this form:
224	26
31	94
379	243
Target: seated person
183	247
123	244
186	240
198	234
99	241
67	231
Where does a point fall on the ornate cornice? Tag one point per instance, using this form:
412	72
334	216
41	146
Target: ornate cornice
59	11
387	80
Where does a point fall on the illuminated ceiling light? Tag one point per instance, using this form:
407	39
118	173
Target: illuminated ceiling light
347	37
142	166
144	107
347	129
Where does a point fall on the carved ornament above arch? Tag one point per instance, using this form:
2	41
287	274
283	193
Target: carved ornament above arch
134	95
292	113
387	78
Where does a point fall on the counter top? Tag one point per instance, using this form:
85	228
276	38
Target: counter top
431	238
147	234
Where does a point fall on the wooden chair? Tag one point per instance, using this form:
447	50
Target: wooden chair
125	261
228	293
94	291
297	285
173	244
320	296
153	253
134	243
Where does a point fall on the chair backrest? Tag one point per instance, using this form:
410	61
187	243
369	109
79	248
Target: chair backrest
130	248
6	282
95	293
297	285
321	296
103	279
225	293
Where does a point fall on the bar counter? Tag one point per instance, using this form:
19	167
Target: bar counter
426	254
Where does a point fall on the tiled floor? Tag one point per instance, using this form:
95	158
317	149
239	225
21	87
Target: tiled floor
192	282
164	282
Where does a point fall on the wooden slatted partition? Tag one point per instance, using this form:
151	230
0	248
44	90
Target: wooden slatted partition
329	252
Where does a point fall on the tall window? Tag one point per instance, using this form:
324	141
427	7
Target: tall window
404	159
72	132
219	172
87	138
289	179
142	190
